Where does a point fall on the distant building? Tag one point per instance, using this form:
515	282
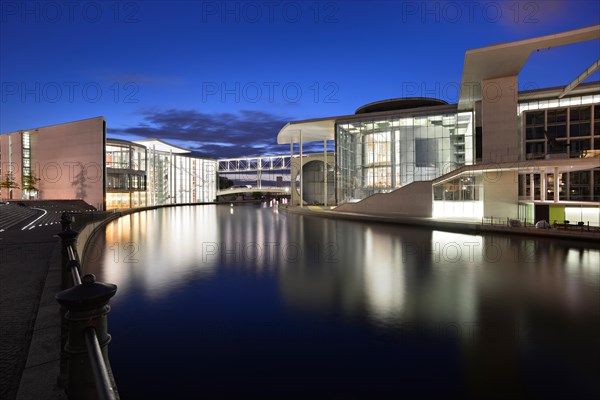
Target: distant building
68	160
497	153
153	172
75	160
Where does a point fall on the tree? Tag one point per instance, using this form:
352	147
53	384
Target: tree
29	182
9	183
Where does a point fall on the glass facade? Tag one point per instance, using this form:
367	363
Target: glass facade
570	131
125	174
562	128
138	176
28	178
381	154
461	196
177	178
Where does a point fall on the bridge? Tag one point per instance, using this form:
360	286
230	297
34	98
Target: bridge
254	164
238	190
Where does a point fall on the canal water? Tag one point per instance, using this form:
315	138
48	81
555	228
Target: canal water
247	302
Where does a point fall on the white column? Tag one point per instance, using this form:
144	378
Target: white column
301	173
325	172
543	189
171	177
532	187
259	173
556	186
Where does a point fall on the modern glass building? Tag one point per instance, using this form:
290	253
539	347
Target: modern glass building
75	160
557	175
417	140
567	128
153	172
126	174
498	152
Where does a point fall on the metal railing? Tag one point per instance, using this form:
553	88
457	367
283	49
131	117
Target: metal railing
84	366
525	223
499	221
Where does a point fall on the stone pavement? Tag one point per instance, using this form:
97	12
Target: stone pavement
29	315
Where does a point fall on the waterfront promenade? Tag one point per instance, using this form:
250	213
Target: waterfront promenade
30	278
29	314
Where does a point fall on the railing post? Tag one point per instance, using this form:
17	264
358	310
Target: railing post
66	220
87	306
69	239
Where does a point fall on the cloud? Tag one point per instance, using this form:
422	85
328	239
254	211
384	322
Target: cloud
216	135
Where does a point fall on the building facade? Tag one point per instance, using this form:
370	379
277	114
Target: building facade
532	155
556	176
377	152
64	161
75	160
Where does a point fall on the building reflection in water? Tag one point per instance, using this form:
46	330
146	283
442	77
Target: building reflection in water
156	251
490	304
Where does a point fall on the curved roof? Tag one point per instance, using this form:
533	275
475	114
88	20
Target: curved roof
161	145
399	104
311	130
116	141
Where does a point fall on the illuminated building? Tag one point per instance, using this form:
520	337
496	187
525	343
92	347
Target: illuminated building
498	152
75	160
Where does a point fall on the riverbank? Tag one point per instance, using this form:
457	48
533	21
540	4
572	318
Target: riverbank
464	226
29	314
30	277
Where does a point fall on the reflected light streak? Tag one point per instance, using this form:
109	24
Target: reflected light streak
384	278
161	252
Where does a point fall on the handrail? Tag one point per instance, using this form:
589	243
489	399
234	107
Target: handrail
101	376
84	335
525	223
75	267
71	250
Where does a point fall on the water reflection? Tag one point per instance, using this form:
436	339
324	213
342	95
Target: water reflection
259	293
156	251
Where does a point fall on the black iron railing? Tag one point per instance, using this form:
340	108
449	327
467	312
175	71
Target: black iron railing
525	223
84	366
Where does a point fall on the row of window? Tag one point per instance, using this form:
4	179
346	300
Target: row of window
372	155
463	188
126	182
572	131
26	153
126	157
573	186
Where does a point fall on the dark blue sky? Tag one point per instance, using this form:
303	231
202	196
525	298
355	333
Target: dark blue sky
223	78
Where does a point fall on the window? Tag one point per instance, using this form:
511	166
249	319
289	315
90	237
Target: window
557	116
556	131
580	185
580	114
426	151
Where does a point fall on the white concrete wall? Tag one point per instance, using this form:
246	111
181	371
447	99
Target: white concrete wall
500	140
500	194
295	174
413	200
